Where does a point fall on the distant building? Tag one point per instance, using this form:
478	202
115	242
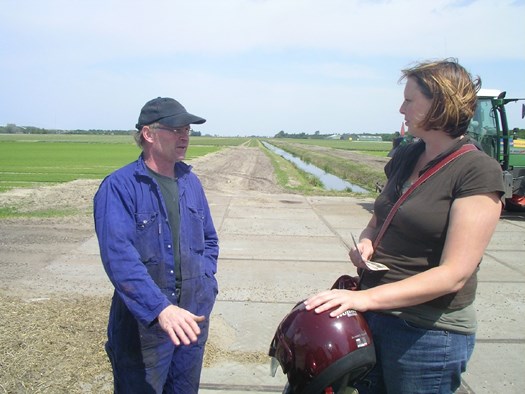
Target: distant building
369	138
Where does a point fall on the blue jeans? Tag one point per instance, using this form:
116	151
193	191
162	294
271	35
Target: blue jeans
412	359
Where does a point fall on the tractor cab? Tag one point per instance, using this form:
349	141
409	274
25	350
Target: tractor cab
490	129
484	125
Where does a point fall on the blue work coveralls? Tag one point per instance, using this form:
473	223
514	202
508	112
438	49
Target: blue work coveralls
135	241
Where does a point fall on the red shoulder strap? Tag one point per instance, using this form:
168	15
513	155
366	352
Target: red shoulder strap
428	173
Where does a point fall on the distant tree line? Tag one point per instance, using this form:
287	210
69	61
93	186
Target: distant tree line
14	129
11	128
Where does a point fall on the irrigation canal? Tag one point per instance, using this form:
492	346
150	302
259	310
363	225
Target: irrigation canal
329	181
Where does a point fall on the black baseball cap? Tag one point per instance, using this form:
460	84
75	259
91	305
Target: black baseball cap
168	112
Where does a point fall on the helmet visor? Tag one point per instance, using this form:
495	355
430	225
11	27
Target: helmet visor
274	364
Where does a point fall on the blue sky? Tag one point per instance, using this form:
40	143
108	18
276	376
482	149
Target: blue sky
250	67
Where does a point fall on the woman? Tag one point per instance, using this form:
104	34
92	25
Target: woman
421	310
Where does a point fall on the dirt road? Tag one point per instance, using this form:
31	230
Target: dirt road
28	245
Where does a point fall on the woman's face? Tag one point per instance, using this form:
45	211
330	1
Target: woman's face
415	107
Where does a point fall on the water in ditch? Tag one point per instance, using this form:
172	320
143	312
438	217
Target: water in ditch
329	181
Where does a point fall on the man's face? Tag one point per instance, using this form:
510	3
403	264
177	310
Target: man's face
169	144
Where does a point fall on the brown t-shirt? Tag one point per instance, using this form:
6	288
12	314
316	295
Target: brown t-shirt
414	241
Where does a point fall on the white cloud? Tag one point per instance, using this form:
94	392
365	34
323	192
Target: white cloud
406	27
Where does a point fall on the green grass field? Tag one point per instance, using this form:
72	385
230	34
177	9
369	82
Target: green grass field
27	160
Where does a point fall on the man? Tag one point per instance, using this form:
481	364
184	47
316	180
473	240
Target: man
159	248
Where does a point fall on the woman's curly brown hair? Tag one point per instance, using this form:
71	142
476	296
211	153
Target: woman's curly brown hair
452	90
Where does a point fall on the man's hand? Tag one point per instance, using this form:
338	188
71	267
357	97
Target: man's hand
180	324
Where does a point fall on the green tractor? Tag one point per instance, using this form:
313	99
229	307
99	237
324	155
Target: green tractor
490	129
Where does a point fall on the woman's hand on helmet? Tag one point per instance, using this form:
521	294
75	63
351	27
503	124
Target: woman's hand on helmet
337	301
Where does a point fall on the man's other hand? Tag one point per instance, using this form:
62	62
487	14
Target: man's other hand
180	324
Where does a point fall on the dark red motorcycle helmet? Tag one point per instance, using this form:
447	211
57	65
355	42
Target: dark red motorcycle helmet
317	352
